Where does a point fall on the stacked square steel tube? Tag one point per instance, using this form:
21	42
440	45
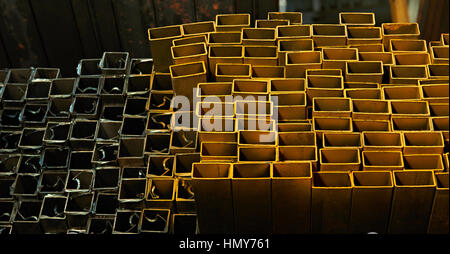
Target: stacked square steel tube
279	128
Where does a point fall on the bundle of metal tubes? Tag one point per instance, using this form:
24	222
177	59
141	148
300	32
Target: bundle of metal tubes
281	128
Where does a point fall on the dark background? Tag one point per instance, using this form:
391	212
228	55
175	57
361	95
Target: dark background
58	33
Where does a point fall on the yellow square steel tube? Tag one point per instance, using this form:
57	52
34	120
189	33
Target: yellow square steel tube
224	38
215	109
420	58
406	46
366	71
267	72
331	202
190	40
215	89
342	140
402	74
413	191
217	136
261	55
299	153
252	138
190	53
291	113
339	159
257	153
232	22
382	160
360	125
324	86
329	35
253	123
294	127
324	72
378	47
291	197
250	87
257	109
386	57
287	85
287	45
251	187
220	124
399	31
438	71
298	62
185	77
439	54
371	109
197	28
409	92
327	124
264	23
435	93
223	151
230	54
226	72
423	142
423	162
331	107
363	93
382	141
336	58
410	108
214	212
258	36
160	42
363	35
441	124
439	109
357	85
297	138
294	32
439	214
400	123
371	201
365	19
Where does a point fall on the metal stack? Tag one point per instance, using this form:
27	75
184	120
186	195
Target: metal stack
347	131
